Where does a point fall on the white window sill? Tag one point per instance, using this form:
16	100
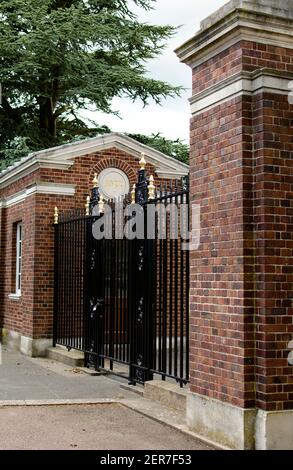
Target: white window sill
14	296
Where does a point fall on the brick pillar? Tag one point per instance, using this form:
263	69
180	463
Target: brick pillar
2	242
242	275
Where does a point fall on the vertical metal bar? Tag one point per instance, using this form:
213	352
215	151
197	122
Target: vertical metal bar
165	290
160	292
109	302
103	296
61	287
125	270
120	298
71	295
80	277
63	274
66	267
69	284
155	296
170	290
75	275
181	310
129	307
112	301
83	285
116	295
56	284
176	302
67	288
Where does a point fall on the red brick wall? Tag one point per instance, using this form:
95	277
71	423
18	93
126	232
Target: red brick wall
17	314
273	212
32	314
241	276
2	278
222	332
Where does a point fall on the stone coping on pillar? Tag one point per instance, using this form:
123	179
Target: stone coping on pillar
279	8
249	83
265	22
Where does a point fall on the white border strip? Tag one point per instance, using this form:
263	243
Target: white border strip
21	169
40	188
242	86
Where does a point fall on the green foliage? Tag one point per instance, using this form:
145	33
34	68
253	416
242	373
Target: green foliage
175	148
58	57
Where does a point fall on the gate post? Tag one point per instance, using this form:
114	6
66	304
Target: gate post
241	309
141	356
56	274
94	293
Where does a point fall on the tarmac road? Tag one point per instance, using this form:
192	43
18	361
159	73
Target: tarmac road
87	427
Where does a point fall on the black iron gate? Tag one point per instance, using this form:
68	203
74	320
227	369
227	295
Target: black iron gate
122	297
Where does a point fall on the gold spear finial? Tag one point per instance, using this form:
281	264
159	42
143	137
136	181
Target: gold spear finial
151	188
133	194
87	206
95	180
56	216
142	162
101	205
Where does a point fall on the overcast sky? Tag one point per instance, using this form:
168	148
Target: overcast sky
172	118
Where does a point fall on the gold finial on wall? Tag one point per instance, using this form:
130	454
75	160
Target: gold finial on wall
133	194
87	206
151	188
56	216
142	162
95	180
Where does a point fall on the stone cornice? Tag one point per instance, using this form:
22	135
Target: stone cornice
39	188
236	26
259	81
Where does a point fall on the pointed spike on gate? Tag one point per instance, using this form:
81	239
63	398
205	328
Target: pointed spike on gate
87	206
95	181
56	216
151	188
101	205
133	192
142	162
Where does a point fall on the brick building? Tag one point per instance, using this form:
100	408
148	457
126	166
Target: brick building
29	191
241	310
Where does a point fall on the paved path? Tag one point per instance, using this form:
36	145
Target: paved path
23	378
121	422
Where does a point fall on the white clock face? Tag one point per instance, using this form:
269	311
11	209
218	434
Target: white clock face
113	183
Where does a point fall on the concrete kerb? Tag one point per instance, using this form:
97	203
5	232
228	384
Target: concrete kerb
167	421
58	402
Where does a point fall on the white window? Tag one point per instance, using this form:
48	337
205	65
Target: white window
18	257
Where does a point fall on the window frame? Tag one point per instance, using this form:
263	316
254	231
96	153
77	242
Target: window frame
18	268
